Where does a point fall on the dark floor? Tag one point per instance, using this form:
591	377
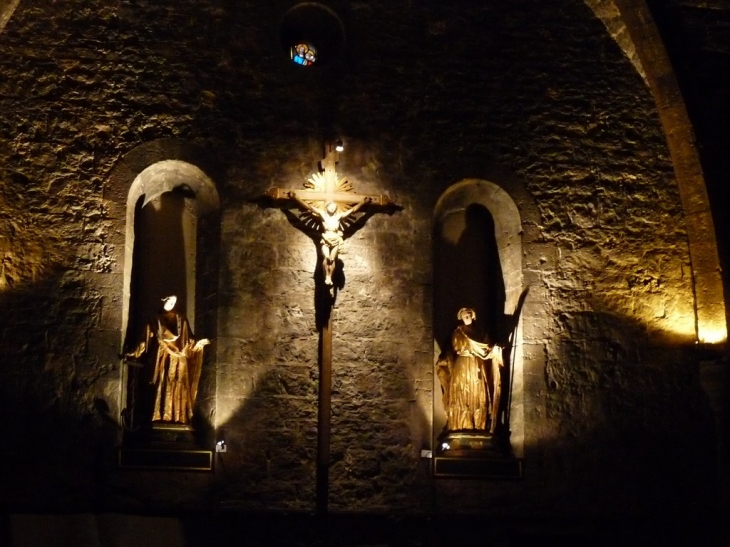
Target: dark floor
300	529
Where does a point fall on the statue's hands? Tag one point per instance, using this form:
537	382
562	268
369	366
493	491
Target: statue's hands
496	353
200	344
130	359
481	353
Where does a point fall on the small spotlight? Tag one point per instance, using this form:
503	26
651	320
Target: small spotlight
445	446
339	145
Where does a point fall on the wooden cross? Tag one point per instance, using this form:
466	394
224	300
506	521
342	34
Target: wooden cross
325	187
323	192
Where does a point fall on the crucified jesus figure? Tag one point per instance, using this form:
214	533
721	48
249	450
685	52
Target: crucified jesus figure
332	230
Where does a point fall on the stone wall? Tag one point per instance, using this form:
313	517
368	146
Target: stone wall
538	100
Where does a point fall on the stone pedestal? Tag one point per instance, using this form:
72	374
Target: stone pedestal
165	446
475	454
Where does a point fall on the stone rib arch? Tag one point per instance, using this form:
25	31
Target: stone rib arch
6	12
630	23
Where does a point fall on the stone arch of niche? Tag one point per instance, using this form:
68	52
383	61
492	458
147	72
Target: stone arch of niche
188	189
500	215
180	176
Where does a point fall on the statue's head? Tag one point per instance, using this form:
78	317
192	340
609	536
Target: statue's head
467	315
331	207
168	303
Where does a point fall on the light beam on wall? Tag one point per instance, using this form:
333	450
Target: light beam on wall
709	333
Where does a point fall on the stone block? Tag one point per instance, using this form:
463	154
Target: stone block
540	256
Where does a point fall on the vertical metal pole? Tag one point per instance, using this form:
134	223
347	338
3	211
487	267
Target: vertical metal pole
324	416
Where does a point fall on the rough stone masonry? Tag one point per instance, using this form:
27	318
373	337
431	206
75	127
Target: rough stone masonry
538	100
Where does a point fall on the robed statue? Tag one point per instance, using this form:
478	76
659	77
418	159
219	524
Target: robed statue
177	365
470	376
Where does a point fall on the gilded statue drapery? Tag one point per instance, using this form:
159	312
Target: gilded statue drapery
470	378
177	366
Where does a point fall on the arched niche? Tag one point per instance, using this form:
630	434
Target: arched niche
165	205
477	263
171	248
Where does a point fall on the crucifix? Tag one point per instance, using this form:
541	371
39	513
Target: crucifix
329	205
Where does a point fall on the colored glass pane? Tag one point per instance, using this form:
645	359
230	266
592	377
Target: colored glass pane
304	54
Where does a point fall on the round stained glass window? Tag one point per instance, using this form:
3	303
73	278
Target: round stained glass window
311	34
304	54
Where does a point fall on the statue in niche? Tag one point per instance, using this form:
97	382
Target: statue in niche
470	376
332	229
178	364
